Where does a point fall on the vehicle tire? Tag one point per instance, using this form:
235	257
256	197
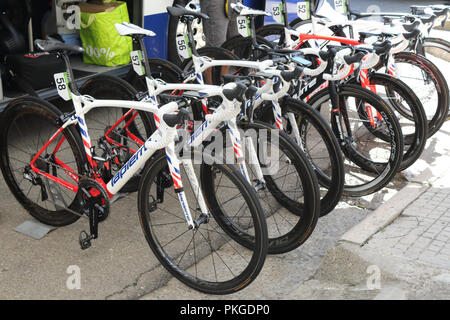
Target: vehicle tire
226	266
242	47
290	183
398	96
425	79
26	125
372	163
328	163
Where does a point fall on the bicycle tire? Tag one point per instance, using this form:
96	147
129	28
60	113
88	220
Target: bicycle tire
242	47
272	31
304	210
414	142
36	114
212	285
434	49
333	183
384	171
308	209
436	114
431	43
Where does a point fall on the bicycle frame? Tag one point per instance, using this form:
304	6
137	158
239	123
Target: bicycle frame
164	137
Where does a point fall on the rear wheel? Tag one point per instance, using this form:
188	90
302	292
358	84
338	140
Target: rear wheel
242	47
27	125
429	84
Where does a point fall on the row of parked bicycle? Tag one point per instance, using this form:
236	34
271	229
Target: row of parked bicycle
311	111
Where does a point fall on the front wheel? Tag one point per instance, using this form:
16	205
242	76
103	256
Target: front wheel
316	139
288	192
206	258
371	160
401	99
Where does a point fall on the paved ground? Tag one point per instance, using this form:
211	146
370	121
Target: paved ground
409	259
422	232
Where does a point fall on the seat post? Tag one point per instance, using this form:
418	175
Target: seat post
191	40
285	14
140	40
72	83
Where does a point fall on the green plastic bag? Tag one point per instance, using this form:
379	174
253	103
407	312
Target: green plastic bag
102	43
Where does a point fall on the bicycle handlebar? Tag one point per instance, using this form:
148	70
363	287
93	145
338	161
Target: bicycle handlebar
172	120
351	59
288	76
235	93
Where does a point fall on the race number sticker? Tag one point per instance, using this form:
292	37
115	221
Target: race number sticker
340	6
62	85
183	48
304	10
136	60
277	12
243	24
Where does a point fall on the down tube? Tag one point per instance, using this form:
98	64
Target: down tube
136	162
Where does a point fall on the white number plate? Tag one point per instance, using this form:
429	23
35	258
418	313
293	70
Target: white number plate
183	48
340	6
277	12
304	10
136	60
62	85
243	24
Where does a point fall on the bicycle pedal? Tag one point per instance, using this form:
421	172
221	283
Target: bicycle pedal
260	185
85	240
152	206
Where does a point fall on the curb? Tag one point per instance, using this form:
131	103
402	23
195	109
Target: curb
384	215
393	208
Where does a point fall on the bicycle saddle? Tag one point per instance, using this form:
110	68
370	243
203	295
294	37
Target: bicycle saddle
55	45
183	12
246	11
129	29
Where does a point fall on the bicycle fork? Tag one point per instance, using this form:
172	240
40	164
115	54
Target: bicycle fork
174	168
240	156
